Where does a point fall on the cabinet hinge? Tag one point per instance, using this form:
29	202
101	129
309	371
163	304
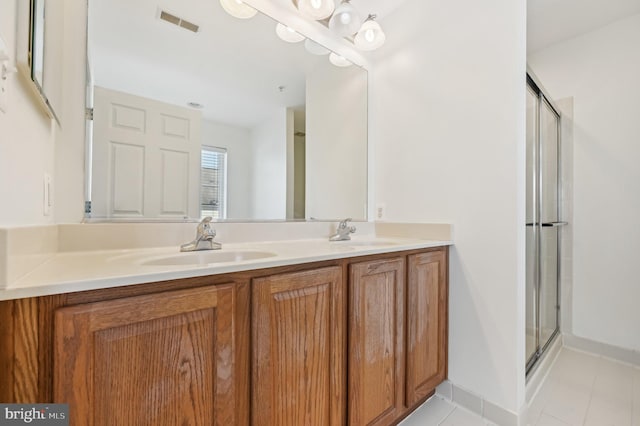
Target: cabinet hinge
87	208
88	114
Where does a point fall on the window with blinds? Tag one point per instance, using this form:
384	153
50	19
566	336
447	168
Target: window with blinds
213	182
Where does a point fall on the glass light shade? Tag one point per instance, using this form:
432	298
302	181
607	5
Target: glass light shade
370	36
316	9
288	34
238	9
339	61
345	20
315	48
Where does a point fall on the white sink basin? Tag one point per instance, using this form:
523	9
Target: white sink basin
207	257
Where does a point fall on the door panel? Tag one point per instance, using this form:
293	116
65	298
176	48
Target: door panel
376	342
427	317
153	157
548	164
166	358
298	354
548	283
531	229
542	220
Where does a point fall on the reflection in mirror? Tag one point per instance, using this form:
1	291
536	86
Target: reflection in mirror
43	67
37	42
197	113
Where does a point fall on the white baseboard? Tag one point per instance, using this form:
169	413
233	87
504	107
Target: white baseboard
628	356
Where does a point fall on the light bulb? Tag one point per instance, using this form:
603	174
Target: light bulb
238	9
316	9
370	35
345	20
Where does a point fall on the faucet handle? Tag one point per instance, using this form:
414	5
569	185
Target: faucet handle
343	224
204	228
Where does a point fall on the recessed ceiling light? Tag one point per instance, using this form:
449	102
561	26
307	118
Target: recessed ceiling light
195	105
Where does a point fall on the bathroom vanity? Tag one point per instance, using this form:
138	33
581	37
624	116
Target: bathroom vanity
356	337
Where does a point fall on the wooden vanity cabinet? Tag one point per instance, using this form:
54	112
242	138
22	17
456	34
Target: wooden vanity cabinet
358	341
169	358
427	324
298	348
398	329
376	341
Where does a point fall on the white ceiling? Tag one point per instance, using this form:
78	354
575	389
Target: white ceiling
553	21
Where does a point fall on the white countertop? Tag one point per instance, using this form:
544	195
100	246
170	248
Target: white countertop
73	271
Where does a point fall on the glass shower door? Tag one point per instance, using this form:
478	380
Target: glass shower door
531	230
549	225
542	224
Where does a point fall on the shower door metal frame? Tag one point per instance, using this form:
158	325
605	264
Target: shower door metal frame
537	224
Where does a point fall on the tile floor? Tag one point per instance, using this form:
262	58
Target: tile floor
581	390
587	390
438	411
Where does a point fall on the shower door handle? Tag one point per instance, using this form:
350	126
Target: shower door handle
553	224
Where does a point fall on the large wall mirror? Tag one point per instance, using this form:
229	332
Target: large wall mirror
41	64
198	113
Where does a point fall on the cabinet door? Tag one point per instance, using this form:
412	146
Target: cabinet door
298	357
376	342
426	324
162	359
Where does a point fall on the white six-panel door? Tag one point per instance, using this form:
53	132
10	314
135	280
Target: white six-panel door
146	157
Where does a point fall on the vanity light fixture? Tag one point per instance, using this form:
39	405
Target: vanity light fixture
315	48
316	9
238	9
288	34
370	36
345	20
339	61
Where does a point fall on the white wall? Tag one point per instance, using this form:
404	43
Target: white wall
448	111
600	70
31	143
237	141
269	142
336	117
69	179
26	141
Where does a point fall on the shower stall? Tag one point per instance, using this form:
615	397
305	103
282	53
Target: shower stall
543	223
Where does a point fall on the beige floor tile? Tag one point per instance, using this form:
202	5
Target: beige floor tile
568	402
431	413
462	417
547	420
608	411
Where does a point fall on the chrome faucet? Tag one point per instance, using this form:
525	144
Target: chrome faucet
204	238
343	231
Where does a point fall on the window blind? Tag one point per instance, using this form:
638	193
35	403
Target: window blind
213	185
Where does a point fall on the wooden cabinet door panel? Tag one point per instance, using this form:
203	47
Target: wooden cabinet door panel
298	357
376	342
160	359
426	324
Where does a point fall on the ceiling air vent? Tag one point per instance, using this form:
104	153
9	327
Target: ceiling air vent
172	19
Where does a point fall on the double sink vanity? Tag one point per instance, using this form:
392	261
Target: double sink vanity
303	331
